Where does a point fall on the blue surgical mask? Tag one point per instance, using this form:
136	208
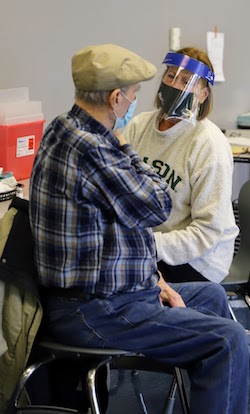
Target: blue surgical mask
122	122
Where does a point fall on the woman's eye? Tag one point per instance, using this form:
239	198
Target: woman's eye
170	76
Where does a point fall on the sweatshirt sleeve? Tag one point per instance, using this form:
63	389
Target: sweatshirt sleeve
210	203
119	182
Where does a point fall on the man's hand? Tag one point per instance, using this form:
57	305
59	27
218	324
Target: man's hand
169	295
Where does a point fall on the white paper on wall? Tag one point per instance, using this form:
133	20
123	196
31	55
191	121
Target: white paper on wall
215	50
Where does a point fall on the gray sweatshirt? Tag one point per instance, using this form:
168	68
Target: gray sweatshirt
197	163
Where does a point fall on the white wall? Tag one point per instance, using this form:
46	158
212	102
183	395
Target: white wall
38	39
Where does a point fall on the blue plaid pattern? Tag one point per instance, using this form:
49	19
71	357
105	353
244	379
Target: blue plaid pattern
92	206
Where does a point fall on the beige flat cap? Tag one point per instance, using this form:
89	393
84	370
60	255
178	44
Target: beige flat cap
107	67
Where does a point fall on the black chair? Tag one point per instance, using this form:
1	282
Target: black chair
238	280
91	361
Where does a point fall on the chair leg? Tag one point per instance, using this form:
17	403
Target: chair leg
13	402
169	404
232	312
91	384
170	401
182	391
97	404
177	383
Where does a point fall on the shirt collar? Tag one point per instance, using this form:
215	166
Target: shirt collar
94	126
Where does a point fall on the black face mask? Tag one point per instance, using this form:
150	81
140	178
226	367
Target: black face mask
170	100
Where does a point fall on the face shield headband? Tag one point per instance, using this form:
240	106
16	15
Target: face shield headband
180	89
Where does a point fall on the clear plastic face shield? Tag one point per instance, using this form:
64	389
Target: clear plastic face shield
182	91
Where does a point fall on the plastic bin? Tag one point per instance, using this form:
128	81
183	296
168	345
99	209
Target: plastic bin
14	95
19	112
19	144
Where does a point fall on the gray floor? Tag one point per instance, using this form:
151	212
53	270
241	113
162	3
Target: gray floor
145	392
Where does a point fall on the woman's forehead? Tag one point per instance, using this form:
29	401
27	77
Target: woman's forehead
176	69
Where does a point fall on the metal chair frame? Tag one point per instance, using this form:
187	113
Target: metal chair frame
95	359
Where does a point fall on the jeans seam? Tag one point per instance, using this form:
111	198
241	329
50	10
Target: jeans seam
94	333
111	310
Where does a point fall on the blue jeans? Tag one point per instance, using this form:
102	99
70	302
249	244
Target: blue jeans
200	338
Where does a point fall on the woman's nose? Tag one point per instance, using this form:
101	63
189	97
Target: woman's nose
177	83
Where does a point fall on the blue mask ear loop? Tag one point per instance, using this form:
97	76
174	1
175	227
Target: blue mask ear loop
122	122
118	119
125	96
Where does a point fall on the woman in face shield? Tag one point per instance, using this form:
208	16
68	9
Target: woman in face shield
184	93
193	156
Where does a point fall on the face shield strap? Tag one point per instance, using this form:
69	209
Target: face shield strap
188	63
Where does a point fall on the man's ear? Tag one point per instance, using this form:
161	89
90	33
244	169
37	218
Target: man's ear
203	95
113	98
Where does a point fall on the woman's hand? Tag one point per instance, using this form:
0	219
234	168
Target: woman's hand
169	295
120	137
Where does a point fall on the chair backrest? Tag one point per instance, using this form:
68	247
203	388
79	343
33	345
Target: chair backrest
240	269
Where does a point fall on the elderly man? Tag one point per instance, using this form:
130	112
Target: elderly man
93	202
